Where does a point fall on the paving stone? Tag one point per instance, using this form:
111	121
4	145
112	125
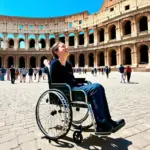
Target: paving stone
8	145
31	145
8	137
25	137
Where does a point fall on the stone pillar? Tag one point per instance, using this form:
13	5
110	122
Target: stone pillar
119	56
37	42
16	61
26	42
106	57
86	59
77	60
95	36
106	36
76	39
134	27
134	56
118	34
27	61
15	41
56	37
95	60
47	42
148	23
67	39
86	37
5	41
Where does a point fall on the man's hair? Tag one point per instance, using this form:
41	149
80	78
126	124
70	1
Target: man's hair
55	48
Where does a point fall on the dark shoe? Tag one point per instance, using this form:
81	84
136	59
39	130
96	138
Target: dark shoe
104	128
117	125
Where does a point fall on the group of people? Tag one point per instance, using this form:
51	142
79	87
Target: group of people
13	74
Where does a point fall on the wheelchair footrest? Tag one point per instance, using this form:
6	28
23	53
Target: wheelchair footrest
102	133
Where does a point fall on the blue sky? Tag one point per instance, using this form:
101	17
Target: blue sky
47	8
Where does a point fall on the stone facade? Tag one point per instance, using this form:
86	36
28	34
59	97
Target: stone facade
118	34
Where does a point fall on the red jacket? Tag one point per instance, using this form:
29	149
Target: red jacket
128	69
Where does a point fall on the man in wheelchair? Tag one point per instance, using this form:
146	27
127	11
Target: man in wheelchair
61	72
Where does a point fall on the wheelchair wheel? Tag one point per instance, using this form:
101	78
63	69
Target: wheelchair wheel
53	114
81	115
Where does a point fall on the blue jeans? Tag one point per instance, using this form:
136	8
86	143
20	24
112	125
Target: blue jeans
97	98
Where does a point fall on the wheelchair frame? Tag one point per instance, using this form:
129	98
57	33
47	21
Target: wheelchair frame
66	99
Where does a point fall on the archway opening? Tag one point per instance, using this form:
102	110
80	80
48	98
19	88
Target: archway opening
81	60
91	37
52	42
144	54
32	43
112	32
10	61
128	60
101	35
42	60
72	60
113	58
127	28
62	38
33	62
11	43
81	38
91	60
0	62
21	43
21	62
101	59
143	24
42	44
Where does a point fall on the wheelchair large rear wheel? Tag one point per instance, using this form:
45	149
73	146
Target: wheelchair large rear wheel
54	114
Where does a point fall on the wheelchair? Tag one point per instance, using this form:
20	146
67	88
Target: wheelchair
59	108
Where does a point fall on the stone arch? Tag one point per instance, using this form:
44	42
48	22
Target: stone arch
62	38
112	32
71	39
127	56
81	60
72	60
101	35
10	43
143	54
21	43
101	59
42	60
22	62
91	60
1	62
113	58
10	61
127	27
42	43
52	40
91	36
143	23
33	62
81	38
32	43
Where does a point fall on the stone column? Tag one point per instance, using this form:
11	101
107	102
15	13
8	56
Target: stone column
119	56
77	60
47	42
95	36
118	35
134	56
86	37
16	61
134	27
106	36
148	23
95	60
86	59
26	41
106	57
76	39
56	37
5	41
27	61
37	42
15	41
67	39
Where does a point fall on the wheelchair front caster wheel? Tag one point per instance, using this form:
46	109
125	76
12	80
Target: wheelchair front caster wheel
77	137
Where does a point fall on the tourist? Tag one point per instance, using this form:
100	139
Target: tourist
12	74
107	71
8	74
30	74
128	70
35	73
17	74
40	74
121	70
24	73
61	72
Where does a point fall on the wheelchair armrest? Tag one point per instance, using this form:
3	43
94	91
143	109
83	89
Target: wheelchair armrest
82	81
79	95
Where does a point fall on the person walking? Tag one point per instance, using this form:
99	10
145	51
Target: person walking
128	71
121	70
12	74
30	74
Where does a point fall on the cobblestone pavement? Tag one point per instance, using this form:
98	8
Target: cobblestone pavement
19	131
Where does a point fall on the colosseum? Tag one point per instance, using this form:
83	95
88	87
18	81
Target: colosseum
119	33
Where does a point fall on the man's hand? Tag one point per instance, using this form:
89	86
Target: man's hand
46	63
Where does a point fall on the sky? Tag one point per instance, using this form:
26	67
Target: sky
47	8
